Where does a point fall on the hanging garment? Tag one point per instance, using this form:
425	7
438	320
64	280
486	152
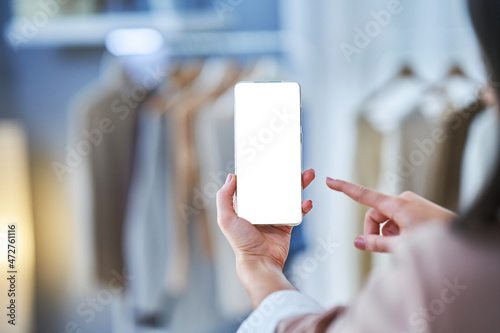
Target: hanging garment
215	77
465	103
378	144
378	121
417	146
162	247
150	241
181	77
430	143
103	121
479	155
444	182
161	295
172	274
424	153
368	153
156	248
215	149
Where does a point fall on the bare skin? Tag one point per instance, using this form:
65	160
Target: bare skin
402	213
261	250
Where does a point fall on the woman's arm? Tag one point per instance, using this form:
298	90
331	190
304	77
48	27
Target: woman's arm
260	250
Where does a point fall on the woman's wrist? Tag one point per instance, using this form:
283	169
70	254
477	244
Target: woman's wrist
261	278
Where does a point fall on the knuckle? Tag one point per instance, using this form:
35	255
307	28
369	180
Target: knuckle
218	194
407	195
378	244
221	221
361	192
371	213
399	203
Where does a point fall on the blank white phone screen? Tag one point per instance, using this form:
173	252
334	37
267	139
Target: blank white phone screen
268	149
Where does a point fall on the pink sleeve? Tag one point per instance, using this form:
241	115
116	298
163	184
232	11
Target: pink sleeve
310	322
386	304
437	282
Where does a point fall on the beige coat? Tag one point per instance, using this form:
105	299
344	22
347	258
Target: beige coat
439	281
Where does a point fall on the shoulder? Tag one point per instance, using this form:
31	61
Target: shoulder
457	277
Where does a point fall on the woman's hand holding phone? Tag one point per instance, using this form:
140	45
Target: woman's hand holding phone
261	250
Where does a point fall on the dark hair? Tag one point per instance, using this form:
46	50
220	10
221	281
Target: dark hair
485	211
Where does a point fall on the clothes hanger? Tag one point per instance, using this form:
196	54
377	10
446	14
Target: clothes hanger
265	68
387	105
406	71
188	71
181	75
191	76
456	70
488	96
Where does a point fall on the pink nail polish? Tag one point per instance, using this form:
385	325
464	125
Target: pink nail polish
329	179
360	243
229	177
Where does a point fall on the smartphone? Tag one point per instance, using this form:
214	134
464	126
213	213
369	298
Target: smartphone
268	152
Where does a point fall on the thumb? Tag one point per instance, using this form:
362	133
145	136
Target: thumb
225	208
375	243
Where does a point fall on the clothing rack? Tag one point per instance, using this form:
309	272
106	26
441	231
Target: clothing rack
226	43
187	35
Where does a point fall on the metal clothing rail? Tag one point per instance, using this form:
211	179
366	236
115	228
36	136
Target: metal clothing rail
186	35
226	43
44	30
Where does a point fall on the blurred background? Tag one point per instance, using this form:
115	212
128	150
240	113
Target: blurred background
116	132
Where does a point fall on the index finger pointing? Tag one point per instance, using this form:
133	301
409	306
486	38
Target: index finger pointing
363	195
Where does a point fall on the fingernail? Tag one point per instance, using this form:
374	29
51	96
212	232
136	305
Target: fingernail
229	177
360	243
328	179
